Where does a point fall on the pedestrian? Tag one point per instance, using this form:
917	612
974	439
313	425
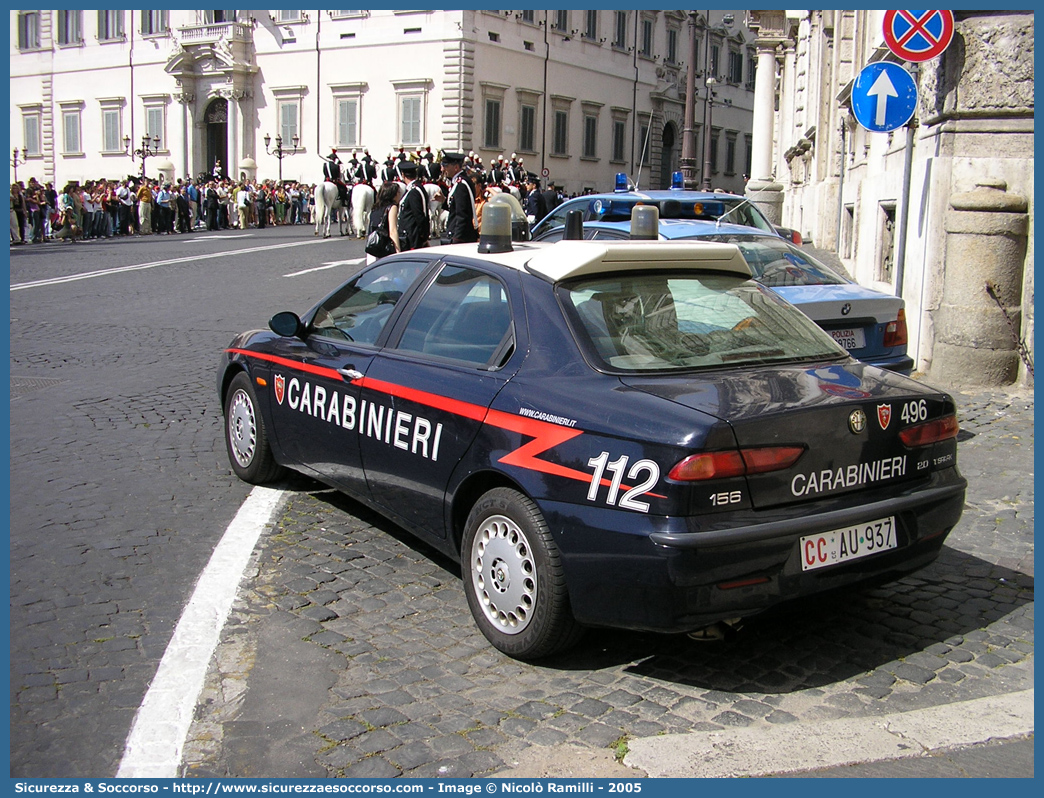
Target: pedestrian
211	200
261	206
18	214
551	198
243	202
460	202
181	207
536	208
67	210
192	194
385	214
145	199
126	199
414	222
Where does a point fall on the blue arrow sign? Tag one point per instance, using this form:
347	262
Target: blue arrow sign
884	97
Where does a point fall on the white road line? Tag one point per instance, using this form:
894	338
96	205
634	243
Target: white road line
140	266
764	750
157	738
329	265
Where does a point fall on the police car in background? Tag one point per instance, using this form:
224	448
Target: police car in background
674	203
870	324
628	434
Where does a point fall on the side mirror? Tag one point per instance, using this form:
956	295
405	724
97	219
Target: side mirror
287	324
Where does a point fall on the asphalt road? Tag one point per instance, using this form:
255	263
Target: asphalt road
350	650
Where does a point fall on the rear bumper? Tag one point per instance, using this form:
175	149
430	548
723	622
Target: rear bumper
901	364
660	574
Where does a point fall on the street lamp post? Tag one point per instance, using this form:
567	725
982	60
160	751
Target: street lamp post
15	161
688	156
144	152
707	114
279	152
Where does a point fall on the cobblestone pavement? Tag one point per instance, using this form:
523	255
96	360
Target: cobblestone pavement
352	652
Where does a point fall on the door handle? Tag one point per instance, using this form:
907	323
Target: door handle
350	373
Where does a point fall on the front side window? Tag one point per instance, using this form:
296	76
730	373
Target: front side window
674	321
360	309
463	316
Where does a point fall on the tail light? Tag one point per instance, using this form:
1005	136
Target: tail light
941	429
895	331
795	236
735	463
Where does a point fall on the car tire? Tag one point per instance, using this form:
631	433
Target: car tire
246	439
513	577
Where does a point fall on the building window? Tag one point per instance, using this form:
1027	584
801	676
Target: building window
620	32
70	27
289	120
672	45
342	14
529	16
71	132
619	139
561	22
590	136
748	143
560	144
715	54
886	239
647	38
730	153
591	25
156	124
715	135
410	119
154	23
735	68
527	128
285	16
110	26
643	136
348	123
112	127
752	68
28	30
31	132
491	137
215	17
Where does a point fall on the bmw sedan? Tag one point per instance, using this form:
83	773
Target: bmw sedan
619	434
870	324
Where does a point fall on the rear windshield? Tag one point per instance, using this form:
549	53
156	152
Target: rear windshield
658	321
777	263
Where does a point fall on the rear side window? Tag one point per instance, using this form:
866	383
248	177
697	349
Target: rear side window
463	316
775	262
681	321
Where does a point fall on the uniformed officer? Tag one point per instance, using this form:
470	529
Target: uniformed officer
461	202
414	222
332	172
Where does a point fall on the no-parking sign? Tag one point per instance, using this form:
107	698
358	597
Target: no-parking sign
918	35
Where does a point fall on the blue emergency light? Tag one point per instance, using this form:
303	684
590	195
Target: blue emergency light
622	183
677	181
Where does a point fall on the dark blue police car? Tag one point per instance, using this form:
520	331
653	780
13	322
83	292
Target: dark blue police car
625	434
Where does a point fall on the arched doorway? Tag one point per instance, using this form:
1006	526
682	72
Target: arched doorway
215	121
669	158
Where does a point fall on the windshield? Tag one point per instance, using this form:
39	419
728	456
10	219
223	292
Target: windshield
775	262
673	321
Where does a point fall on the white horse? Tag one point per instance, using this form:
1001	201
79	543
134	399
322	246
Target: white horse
327	203
362	203
436	199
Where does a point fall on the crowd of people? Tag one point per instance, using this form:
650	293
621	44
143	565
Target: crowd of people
140	206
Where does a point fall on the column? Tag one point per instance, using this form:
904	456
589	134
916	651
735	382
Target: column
185	99
762	189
